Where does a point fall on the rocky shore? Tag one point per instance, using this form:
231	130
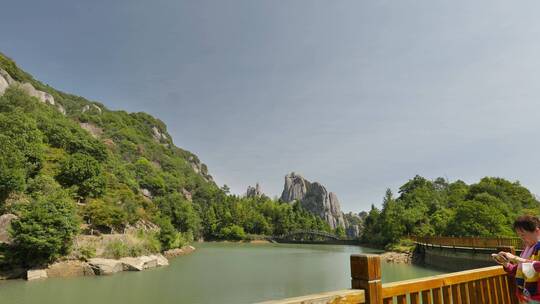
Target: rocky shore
98	266
397	257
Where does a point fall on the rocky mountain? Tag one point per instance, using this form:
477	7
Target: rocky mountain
254	191
313	197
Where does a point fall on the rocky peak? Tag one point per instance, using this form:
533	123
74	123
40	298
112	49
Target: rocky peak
313	197
254	191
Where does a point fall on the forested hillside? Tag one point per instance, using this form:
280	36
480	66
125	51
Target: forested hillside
69	166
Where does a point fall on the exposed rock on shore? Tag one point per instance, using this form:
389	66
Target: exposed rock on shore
98	266
36	274
397	257
178	251
68	269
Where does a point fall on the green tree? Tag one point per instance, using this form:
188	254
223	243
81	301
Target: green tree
84	173
12	171
103	216
481	216
45	229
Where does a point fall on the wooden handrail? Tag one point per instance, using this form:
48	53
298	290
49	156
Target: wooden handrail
439	281
470	242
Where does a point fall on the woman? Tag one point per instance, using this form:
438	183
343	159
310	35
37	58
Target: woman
525	268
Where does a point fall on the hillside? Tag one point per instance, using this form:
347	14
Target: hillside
69	166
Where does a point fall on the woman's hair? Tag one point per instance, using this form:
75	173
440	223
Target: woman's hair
527	223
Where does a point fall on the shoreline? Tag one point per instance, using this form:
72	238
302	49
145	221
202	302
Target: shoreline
97	266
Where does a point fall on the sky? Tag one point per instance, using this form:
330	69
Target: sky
358	95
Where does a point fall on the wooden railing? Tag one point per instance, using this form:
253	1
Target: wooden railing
489	285
471	242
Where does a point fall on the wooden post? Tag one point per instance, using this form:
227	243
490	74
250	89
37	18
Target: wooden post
366	274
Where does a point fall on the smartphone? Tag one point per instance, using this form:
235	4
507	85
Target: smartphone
501	259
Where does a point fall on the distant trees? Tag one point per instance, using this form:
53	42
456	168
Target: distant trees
438	207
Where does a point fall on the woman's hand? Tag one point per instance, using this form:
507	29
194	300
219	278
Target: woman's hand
500	258
512	258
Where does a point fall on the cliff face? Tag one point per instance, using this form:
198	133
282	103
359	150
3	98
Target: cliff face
315	198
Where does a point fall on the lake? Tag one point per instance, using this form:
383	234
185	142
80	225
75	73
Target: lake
214	273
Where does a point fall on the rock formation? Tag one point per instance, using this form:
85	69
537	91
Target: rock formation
200	168
6	81
254	191
92	108
313	197
354	224
158	135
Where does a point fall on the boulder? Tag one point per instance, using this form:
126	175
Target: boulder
44	97
5	222
132	264
36	274
105	266
67	269
149	261
161	260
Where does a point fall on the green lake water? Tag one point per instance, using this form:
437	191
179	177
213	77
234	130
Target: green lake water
214	273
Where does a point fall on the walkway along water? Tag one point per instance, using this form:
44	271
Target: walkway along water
460	253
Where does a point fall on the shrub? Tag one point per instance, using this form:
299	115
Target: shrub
233	232
117	249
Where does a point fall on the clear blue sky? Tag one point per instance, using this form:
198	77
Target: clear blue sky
358	95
